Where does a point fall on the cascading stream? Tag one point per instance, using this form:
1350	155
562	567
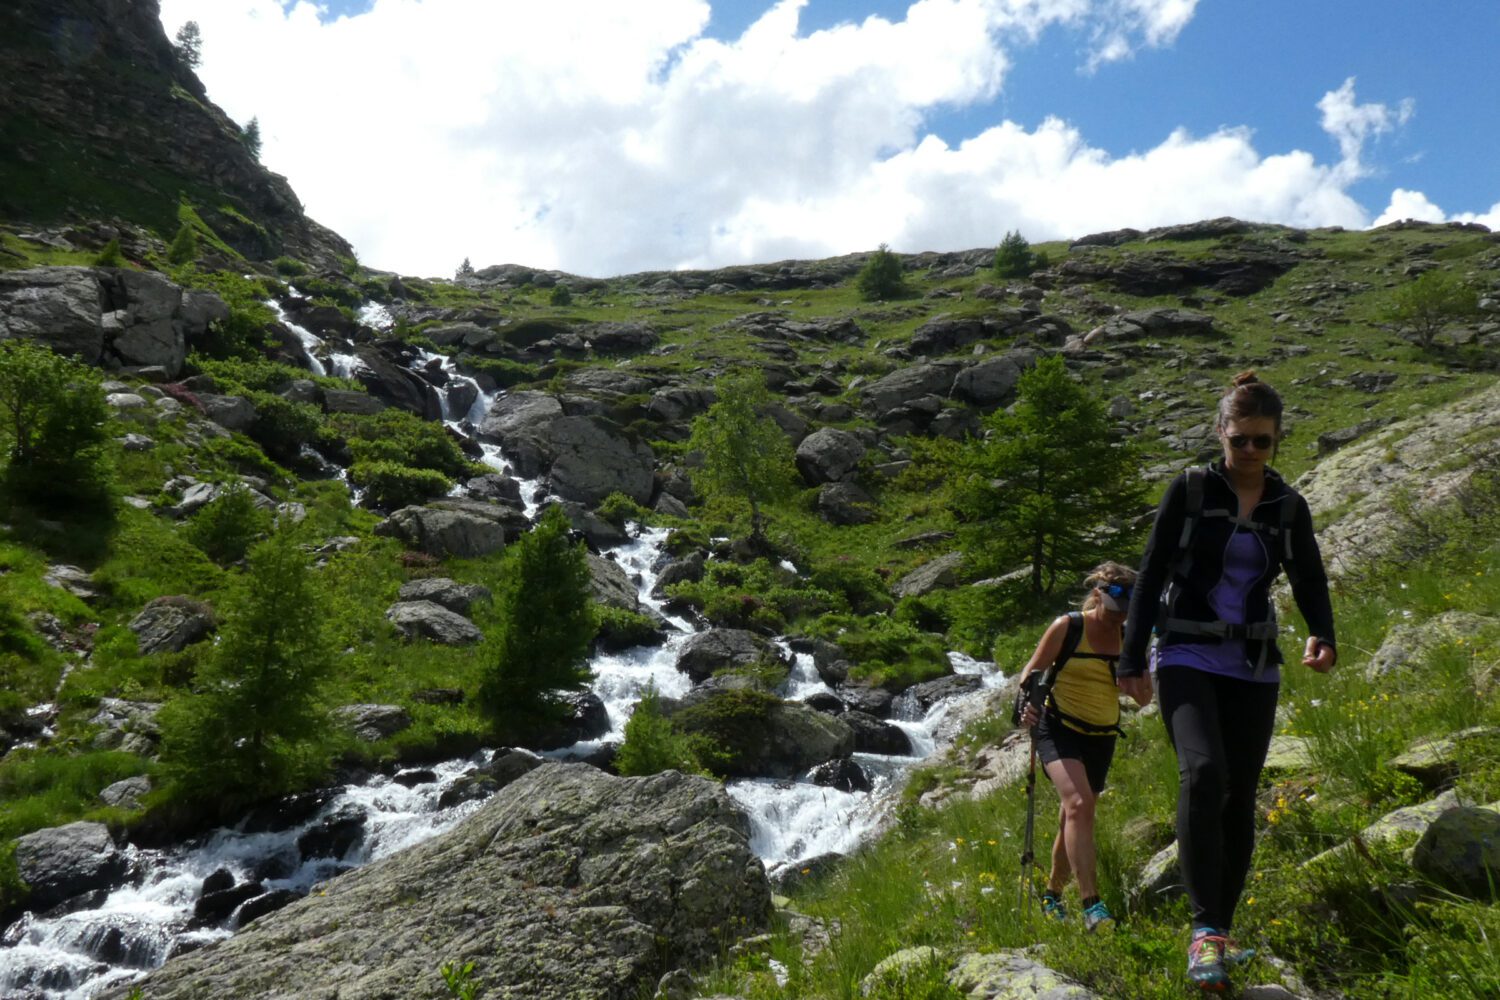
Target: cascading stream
139	926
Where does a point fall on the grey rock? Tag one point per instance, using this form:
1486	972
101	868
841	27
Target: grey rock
373	723
60	307
1399	829
61	862
566	883
233	413
591	460
1461	852
1408	646
689	568
829	455
992	382
784	742
76	581
916	701
125	401
456	597
872	735
1157	323
428	620
906	384
1012	974
938	574
846	503
1436	762
444	532
1160	881
611	585
171	624
714	649
520	413
126	794
347	401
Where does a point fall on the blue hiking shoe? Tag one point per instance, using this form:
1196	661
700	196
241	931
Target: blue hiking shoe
1096	917
1053	907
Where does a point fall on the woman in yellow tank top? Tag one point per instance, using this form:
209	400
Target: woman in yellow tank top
1075	733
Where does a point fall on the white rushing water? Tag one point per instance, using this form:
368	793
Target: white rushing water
137	927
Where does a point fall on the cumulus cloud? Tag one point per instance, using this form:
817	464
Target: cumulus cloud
1406	204
603	138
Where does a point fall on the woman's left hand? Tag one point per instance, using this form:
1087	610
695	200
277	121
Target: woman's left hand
1319	655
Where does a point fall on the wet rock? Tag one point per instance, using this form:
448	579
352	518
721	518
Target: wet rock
916	701
872	735
215	907
717	648
411	779
587	719
333	835
265	903
791	876
842	774
65	861
873	701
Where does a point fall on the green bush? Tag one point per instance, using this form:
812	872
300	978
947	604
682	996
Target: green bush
388	485
282	427
886	652
561	296
1013	257
111	255
226	528
730	725
52	418
862	589
243	334
617	508
621	629
402	438
881	277
289	267
505	372
652	744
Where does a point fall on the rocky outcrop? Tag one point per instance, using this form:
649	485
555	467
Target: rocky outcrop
567	883
1407	646
937	574
718	648
590	459
829	455
105	88
456	597
110	316
765	737
373	723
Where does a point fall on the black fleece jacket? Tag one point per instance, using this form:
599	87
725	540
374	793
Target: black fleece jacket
1209	540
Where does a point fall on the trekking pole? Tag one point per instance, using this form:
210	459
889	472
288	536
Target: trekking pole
1037	699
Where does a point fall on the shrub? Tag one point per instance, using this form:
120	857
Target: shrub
400	437
617	508
389	485
54	416
886	652
184	248
621	629
289	267
505	372
111	255
731	726
226	528
652	744
560	296
282	427
881	277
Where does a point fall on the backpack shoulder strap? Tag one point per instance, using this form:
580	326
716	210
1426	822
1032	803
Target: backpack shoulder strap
1192	514
1070	640
1288	515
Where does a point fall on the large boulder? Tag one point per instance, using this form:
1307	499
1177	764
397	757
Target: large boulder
519	414
1013	974
1461	852
916	701
456	597
171	624
66	861
429	620
714	649
567	883
590	459
441	532
992	382
909	383
373	723
936	574
394	384
1409	646
765	737
829	455
60	307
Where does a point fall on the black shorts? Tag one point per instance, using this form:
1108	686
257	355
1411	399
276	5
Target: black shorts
1055	741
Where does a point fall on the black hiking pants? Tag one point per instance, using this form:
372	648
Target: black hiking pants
1221	729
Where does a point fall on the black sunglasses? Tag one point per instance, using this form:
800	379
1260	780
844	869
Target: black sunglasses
1260	441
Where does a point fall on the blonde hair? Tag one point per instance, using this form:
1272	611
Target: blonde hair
1101	576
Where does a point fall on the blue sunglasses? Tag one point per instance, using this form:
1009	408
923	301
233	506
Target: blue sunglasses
1118	591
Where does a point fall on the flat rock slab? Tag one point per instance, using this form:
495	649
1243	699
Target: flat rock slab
567	883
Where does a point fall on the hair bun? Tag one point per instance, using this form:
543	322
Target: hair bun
1245	378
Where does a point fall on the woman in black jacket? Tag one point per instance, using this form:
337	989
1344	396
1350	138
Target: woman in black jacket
1222	536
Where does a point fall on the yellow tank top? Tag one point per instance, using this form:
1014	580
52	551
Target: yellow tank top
1085	689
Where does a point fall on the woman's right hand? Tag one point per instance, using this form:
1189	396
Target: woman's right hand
1029	716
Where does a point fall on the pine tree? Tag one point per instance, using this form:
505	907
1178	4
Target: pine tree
1013	257
189	45
256	725
746	455
252	137
1048	487
52	422
881	277
546	628
465	270
184	248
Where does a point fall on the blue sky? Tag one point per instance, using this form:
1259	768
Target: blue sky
603	137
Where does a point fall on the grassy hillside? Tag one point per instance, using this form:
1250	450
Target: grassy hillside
1317	325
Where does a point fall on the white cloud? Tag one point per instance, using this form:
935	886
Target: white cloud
602	137
1406	204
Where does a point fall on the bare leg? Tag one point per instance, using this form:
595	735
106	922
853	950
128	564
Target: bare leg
1077	828
1061	870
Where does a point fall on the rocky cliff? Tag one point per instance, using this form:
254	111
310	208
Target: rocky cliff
99	119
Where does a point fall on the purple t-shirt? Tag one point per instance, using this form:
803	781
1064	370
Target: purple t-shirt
1245	559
